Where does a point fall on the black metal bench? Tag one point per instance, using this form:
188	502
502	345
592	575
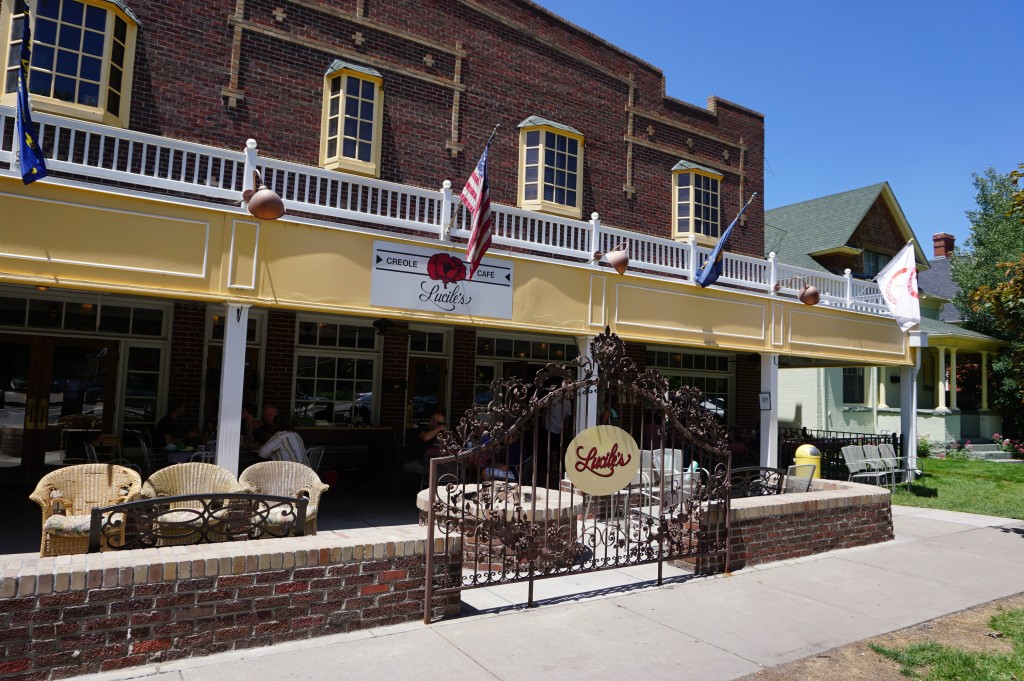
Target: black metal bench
195	519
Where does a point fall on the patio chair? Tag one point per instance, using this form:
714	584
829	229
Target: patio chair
887	453
862	469
92	457
798	478
67	497
286	479
314	455
181	523
152	459
755	481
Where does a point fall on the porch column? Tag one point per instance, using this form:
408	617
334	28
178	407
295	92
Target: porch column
952	378
984	380
232	378
940	382
770	417
882	373
908	409
588	412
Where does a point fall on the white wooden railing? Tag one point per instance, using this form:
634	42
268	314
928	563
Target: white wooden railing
141	162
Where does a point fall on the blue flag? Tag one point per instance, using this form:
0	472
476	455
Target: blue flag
713	268
33	163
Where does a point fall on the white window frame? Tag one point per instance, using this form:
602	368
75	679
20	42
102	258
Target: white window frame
729	374
343	74
528	163
683	222
95	114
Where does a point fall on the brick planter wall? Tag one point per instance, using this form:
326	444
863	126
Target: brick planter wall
835	515
83	614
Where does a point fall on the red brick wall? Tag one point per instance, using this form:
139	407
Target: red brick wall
511	70
792	535
280	359
186	373
395	369
107	622
463	371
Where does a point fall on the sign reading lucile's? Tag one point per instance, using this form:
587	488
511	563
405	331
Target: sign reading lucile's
602	459
432	280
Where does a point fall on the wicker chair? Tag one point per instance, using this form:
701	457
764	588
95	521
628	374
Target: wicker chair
67	497
186	478
287	479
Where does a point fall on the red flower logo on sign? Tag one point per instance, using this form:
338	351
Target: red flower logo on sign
446	269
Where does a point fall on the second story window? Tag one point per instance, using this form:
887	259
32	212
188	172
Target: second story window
696	206
82	55
874	262
550	167
353	103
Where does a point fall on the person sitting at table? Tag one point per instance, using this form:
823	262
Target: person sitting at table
285	444
267	428
429	432
249	426
170	430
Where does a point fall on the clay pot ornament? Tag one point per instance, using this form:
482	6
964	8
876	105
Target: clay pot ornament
264	203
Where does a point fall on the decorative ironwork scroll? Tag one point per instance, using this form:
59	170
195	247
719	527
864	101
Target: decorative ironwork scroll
196	519
499	485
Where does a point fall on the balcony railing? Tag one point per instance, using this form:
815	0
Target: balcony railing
97	154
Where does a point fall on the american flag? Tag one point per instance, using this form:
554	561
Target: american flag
476	197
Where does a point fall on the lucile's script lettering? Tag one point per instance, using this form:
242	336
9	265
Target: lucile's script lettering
601	464
444	299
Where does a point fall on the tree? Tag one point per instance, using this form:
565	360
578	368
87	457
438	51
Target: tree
990	276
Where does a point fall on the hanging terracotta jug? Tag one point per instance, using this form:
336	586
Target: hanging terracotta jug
264	203
809	295
618	258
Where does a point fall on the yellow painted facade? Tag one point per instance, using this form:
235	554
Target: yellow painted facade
103	241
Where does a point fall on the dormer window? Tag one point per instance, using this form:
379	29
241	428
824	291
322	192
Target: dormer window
550	167
351	129
696	208
82	58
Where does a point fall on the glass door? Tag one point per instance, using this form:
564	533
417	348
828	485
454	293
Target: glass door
428	389
55	394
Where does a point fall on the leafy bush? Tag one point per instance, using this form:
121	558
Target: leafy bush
924	447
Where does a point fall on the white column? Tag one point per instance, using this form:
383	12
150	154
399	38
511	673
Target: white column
984	381
952	379
882	374
908	409
232	378
587	409
940	382
770	417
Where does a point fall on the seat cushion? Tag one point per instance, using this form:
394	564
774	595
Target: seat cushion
68	525
281	515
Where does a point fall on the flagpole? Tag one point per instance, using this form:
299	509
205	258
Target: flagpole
494	132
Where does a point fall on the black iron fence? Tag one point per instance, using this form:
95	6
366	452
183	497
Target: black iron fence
830	444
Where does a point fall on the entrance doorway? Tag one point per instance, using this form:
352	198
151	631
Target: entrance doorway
428	389
52	396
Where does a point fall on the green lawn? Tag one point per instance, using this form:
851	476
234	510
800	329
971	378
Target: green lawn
971	486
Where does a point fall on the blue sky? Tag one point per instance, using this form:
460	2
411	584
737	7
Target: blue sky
921	94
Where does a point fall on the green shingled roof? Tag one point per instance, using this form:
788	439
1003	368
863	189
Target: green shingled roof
795	230
690	165
339	64
533	121
934	328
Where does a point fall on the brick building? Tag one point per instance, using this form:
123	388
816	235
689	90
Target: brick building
132	275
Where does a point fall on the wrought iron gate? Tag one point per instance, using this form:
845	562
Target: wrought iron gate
500	484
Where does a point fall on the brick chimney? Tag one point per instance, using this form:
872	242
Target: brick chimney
944	244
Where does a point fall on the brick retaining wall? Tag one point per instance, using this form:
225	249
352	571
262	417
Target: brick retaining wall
82	614
835	515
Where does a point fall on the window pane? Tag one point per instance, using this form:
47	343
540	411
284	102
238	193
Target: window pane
334	106
64	88
352	86
120	28
335	85
332	148
45	314
80	317
328	336
115	78
67	63
530	192
70	37
48	8
368	90
45	32
96	18
72	11
365	152
42	56
115	319
366	111
307	333
351	107
349	149
147	322
93	44
12	312
90	68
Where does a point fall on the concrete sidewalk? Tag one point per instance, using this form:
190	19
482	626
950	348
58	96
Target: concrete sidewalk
615	624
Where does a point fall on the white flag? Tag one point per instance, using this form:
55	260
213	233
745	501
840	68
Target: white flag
898	282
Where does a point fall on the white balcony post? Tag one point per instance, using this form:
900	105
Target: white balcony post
232	380
940	383
908	409
444	233
952	379
694	259
770	417
595	238
849	287
586	408
984	381
251	160
773	274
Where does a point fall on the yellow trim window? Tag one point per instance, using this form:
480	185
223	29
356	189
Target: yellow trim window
696	205
550	167
351	131
82	58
